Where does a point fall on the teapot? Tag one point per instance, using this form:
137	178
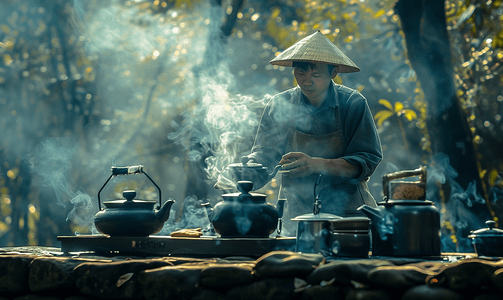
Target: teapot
251	171
130	217
404	227
244	214
488	241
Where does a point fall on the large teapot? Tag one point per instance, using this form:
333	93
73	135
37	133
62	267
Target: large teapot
244	214
404	227
130	217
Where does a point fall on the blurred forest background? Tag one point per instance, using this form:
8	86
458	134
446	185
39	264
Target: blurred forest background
178	86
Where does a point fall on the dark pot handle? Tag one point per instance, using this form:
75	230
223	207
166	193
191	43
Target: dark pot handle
421	171
130	170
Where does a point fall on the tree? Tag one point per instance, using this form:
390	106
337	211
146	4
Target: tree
424	25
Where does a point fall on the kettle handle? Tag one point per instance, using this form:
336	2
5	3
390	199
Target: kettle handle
421	171
130	170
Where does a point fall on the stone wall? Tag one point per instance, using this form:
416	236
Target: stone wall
45	273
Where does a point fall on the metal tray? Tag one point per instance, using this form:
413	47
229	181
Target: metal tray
175	246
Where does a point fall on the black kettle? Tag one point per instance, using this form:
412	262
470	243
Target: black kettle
404	227
131	217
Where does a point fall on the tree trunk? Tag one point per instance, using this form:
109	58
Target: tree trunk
427	41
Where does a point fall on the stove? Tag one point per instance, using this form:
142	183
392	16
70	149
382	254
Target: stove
204	246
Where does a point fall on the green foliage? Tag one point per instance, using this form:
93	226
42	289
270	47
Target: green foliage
476	37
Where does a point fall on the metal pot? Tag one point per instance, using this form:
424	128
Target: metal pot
350	237
129	217
243	214
313	232
350	243
488	241
333	235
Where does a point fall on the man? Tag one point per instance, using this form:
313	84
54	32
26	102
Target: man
320	132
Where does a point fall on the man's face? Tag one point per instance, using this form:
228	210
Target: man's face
314	82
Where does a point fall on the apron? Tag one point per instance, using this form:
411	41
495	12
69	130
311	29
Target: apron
336	197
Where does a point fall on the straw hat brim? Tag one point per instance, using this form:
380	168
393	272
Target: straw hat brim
316	48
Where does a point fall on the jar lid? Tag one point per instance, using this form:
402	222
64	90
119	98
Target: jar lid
317	217
491	231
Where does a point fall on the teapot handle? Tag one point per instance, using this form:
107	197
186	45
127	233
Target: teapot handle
421	171
130	170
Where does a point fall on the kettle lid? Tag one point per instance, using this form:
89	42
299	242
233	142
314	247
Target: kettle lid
134	204
490	231
130	202
317	217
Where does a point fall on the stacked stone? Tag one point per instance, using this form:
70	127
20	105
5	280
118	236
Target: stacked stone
275	276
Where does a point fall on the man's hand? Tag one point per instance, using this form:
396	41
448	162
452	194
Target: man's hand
299	164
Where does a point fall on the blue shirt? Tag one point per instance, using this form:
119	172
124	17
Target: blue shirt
289	108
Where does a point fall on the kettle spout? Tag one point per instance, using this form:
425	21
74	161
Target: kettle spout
163	213
372	213
382	222
209	210
274	172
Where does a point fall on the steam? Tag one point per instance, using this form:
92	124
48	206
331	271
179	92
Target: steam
150	67
83	210
222	123
457	211
52	164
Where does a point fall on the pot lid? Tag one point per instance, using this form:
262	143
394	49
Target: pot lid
245	187
245	195
355	231
251	165
246	163
317	217
405	202
130	204
491	231
353	220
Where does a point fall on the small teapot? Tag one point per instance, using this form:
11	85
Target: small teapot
250	171
129	217
244	214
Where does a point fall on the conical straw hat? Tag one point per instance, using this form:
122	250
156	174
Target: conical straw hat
316	48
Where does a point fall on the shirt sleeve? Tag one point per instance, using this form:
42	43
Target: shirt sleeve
271	138
363	145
